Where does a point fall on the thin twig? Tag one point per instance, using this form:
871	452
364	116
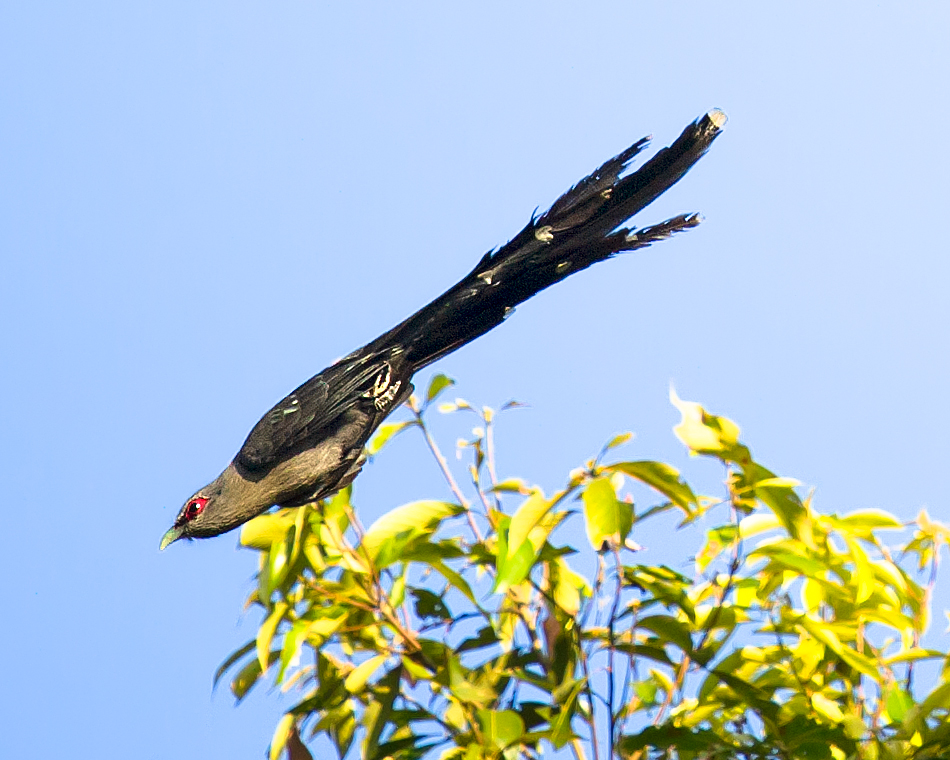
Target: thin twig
611	718
444	467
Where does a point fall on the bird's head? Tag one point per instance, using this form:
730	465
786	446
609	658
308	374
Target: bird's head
222	505
198	518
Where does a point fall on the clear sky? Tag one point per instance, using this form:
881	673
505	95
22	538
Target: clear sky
204	203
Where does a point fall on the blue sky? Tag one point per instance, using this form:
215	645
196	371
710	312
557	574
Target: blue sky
203	204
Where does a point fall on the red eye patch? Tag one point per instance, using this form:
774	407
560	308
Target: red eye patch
194	508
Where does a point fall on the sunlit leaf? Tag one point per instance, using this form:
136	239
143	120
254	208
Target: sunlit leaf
646	691
500	727
662	478
293	639
526	518
437	384
464	689
355	682
827	708
523	537
511	485
265	529
863	576
752	525
914	655
385	433
704	433
281	734
869	519
618	440
899	703
266	633
455	406
608	519
567	587
417	518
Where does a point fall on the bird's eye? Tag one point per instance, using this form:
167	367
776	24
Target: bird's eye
195	507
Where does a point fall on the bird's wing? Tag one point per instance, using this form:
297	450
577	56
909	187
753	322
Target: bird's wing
374	380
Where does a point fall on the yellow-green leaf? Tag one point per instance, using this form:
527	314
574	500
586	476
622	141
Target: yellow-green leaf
662	478
526	518
385	433
264	530
284	726
827	708
355	682
418	517
500	728
437	384
608	519
705	433
266	633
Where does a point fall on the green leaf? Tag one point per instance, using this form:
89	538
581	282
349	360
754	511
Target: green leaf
430	605
758	523
699	742
437	384
233	658
646	691
608	519
485	637
464	689
415	519
514	567
355	682
782	500
264	530
704	433
281	734
455	580
275	570
566	697
618	440
417	671
669	629
863	577
913	655
266	633
521	539
248	676
567	587
385	693
511	485
291	647
793	556
385	433
868	520
500	728
662	478
827	708
526	518
899	703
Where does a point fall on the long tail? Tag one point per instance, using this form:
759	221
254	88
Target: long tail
580	229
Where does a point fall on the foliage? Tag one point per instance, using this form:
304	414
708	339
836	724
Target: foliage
464	630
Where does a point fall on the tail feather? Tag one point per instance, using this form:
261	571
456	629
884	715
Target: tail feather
581	228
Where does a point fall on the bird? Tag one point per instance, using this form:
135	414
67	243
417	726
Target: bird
311	444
